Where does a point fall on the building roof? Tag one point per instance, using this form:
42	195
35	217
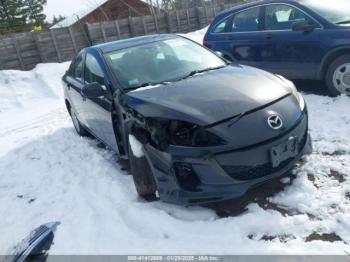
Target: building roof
68	21
81	14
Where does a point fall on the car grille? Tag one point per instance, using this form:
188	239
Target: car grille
250	173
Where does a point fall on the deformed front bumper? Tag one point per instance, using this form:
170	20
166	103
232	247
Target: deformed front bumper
222	175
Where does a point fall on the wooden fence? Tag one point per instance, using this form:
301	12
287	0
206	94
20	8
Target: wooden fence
25	50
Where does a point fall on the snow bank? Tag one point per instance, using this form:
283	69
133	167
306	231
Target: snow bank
22	89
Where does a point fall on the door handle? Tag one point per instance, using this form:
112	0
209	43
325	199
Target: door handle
69	86
268	36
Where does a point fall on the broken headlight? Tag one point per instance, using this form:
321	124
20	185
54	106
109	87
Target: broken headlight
164	132
187	134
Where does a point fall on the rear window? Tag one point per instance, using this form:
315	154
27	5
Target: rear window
76	69
246	21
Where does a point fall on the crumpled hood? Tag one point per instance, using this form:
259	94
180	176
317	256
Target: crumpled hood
210	97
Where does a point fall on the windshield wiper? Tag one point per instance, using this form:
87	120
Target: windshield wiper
195	72
343	22
147	84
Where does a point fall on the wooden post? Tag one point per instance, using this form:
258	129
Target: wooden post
188	19
18	52
144	25
156	22
117	28
2	64
36	42
178	21
131	26
213	6
169	23
56	46
87	34
198	16
206	14
215	12
103	32
71	33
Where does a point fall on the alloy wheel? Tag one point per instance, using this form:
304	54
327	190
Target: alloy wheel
341	79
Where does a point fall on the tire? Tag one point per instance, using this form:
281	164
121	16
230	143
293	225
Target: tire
78	127
338	76
141	171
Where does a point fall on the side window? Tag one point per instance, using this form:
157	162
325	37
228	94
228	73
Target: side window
93	71
247	21
222	27
282	17
76	70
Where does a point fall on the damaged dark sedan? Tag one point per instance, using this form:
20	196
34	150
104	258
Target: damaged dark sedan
195	128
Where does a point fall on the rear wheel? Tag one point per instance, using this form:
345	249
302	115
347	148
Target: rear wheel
78	127
338	76
142	174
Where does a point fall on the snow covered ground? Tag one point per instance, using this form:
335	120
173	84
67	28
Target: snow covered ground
48	173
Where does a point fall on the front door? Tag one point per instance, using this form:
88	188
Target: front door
99	110
294	54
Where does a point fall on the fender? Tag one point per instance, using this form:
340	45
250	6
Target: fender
329	57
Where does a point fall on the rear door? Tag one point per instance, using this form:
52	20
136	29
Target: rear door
239	36
294	54
75	82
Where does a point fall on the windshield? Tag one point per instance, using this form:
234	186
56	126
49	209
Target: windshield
160	62
335	11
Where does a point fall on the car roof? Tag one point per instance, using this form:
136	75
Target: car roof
131	42
256	3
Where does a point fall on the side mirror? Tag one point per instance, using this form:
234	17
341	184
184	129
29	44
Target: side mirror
219	54
226	58
93	90
304	26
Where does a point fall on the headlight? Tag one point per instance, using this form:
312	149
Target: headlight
187	134
294	90
180	133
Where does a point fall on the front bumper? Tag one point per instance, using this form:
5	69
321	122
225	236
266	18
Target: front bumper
223	175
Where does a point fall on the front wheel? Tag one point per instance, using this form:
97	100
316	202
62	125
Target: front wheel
78	127
141	171
338	76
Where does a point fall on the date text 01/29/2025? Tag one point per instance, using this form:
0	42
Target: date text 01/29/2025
173	258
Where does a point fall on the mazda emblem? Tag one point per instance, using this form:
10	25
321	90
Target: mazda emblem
275	122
